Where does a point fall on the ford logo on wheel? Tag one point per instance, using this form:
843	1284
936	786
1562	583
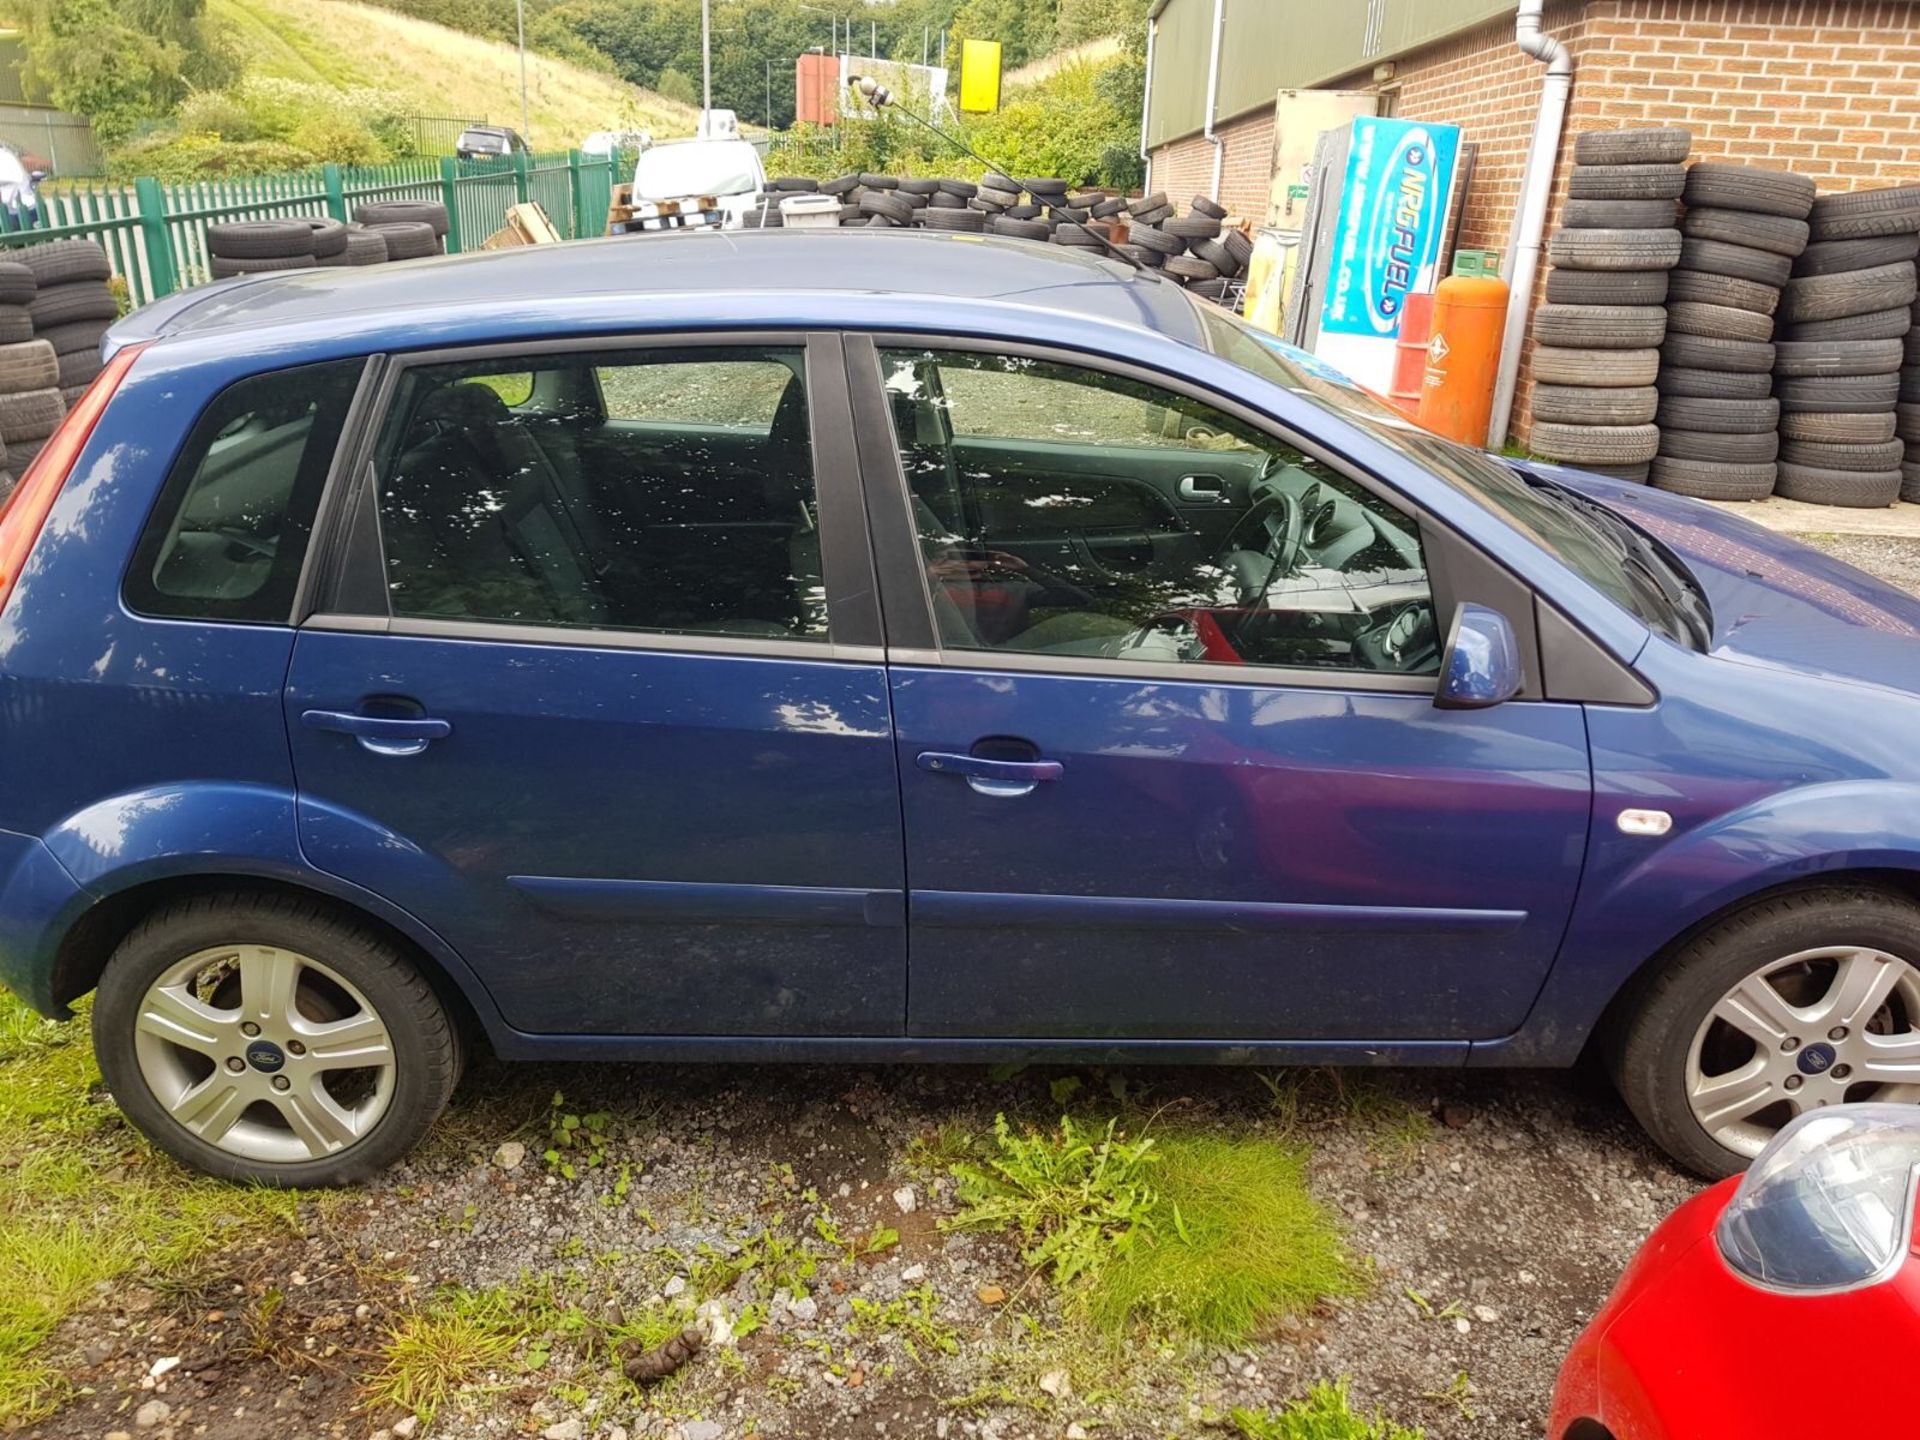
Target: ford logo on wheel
1817	1059
265	1056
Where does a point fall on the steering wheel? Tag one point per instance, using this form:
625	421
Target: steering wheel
1280	547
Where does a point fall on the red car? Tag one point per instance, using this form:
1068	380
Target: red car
1783	1303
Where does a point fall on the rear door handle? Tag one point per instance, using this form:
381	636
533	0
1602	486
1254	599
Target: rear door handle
380	734
1003	779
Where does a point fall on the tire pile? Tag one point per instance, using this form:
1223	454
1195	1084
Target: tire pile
1846	315
72	307
1719	420
1198	250
383	230
30	404
1598	336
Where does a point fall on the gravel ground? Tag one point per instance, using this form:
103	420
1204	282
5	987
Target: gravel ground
1494	1210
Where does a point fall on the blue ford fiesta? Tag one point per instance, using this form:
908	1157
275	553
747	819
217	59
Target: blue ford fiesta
897	646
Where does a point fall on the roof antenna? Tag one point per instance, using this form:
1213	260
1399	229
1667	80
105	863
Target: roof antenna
879	97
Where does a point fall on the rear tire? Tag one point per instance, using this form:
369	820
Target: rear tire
169	969
1667	1050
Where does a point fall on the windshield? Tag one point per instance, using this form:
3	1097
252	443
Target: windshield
696	167
1612	555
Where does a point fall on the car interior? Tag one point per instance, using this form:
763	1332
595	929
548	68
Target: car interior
552	510
1196	538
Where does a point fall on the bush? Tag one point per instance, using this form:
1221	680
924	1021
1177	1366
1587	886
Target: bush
198	156
339	139
678	85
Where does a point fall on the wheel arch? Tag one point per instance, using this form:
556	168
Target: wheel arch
1902	884
81	956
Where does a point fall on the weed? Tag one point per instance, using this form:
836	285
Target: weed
85	1202
1236	1242
880	1239
1394	1128
1456	1395
1326	1413
1079	1198
1452	1310
912	1317
936	1151
782	1262
576	1143
448	1346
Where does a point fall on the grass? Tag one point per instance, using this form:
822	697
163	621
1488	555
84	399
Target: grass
85	1203
1203	1236
1239	1242
1325	1414
446	1347
343	44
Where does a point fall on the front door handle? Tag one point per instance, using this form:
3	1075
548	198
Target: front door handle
1202	489
380	734
1003	779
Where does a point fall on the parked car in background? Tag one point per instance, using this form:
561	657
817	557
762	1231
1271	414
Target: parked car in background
728	171
884	645
604	143
1816	1243
489	142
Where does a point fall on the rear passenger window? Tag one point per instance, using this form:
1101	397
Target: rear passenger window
667	491
226	540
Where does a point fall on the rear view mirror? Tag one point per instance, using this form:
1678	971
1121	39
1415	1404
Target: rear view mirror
1481	664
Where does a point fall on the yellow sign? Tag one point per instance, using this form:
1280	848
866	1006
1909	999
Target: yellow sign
979	75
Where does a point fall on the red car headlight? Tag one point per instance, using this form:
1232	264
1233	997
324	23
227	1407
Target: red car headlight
1830	1204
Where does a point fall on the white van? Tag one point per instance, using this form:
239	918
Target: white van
728	170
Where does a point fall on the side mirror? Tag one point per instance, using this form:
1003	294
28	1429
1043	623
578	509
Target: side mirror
1481	664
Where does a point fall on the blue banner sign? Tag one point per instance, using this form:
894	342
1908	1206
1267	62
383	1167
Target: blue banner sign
1393	220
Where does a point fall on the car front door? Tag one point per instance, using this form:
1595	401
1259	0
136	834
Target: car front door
594	689
1191	786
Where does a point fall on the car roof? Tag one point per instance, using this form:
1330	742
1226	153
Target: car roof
745	266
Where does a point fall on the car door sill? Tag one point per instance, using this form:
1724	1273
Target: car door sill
968	1050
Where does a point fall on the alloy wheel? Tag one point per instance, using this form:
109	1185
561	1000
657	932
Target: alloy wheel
264	1053
1815	1028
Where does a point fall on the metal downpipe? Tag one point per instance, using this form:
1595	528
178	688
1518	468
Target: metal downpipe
1530	219
1146	101
1213	97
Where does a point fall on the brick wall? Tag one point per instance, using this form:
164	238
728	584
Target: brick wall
1831	90
1185	168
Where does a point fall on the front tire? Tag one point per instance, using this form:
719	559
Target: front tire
268	1039
1806	1000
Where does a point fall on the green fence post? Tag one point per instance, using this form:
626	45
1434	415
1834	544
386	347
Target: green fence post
153	229
450	197
579	195
336	192
520	175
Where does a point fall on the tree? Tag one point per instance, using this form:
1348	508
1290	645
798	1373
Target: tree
121	62
678	85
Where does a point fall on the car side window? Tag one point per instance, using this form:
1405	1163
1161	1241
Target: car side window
563	512
1066	511
228	535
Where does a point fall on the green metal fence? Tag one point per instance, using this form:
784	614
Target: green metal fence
155	234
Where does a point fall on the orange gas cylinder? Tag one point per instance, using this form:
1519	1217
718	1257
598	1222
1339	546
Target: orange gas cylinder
1410	355
1463	356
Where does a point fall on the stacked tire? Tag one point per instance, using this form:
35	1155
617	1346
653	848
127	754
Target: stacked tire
1743	228
71	308
258	247
1846	316
1198	249
1598	336
411	229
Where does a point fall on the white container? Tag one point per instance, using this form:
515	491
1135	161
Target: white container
809	211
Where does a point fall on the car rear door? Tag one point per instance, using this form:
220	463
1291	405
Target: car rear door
618	731
1140	804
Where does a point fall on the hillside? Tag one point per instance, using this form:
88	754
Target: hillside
343	44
